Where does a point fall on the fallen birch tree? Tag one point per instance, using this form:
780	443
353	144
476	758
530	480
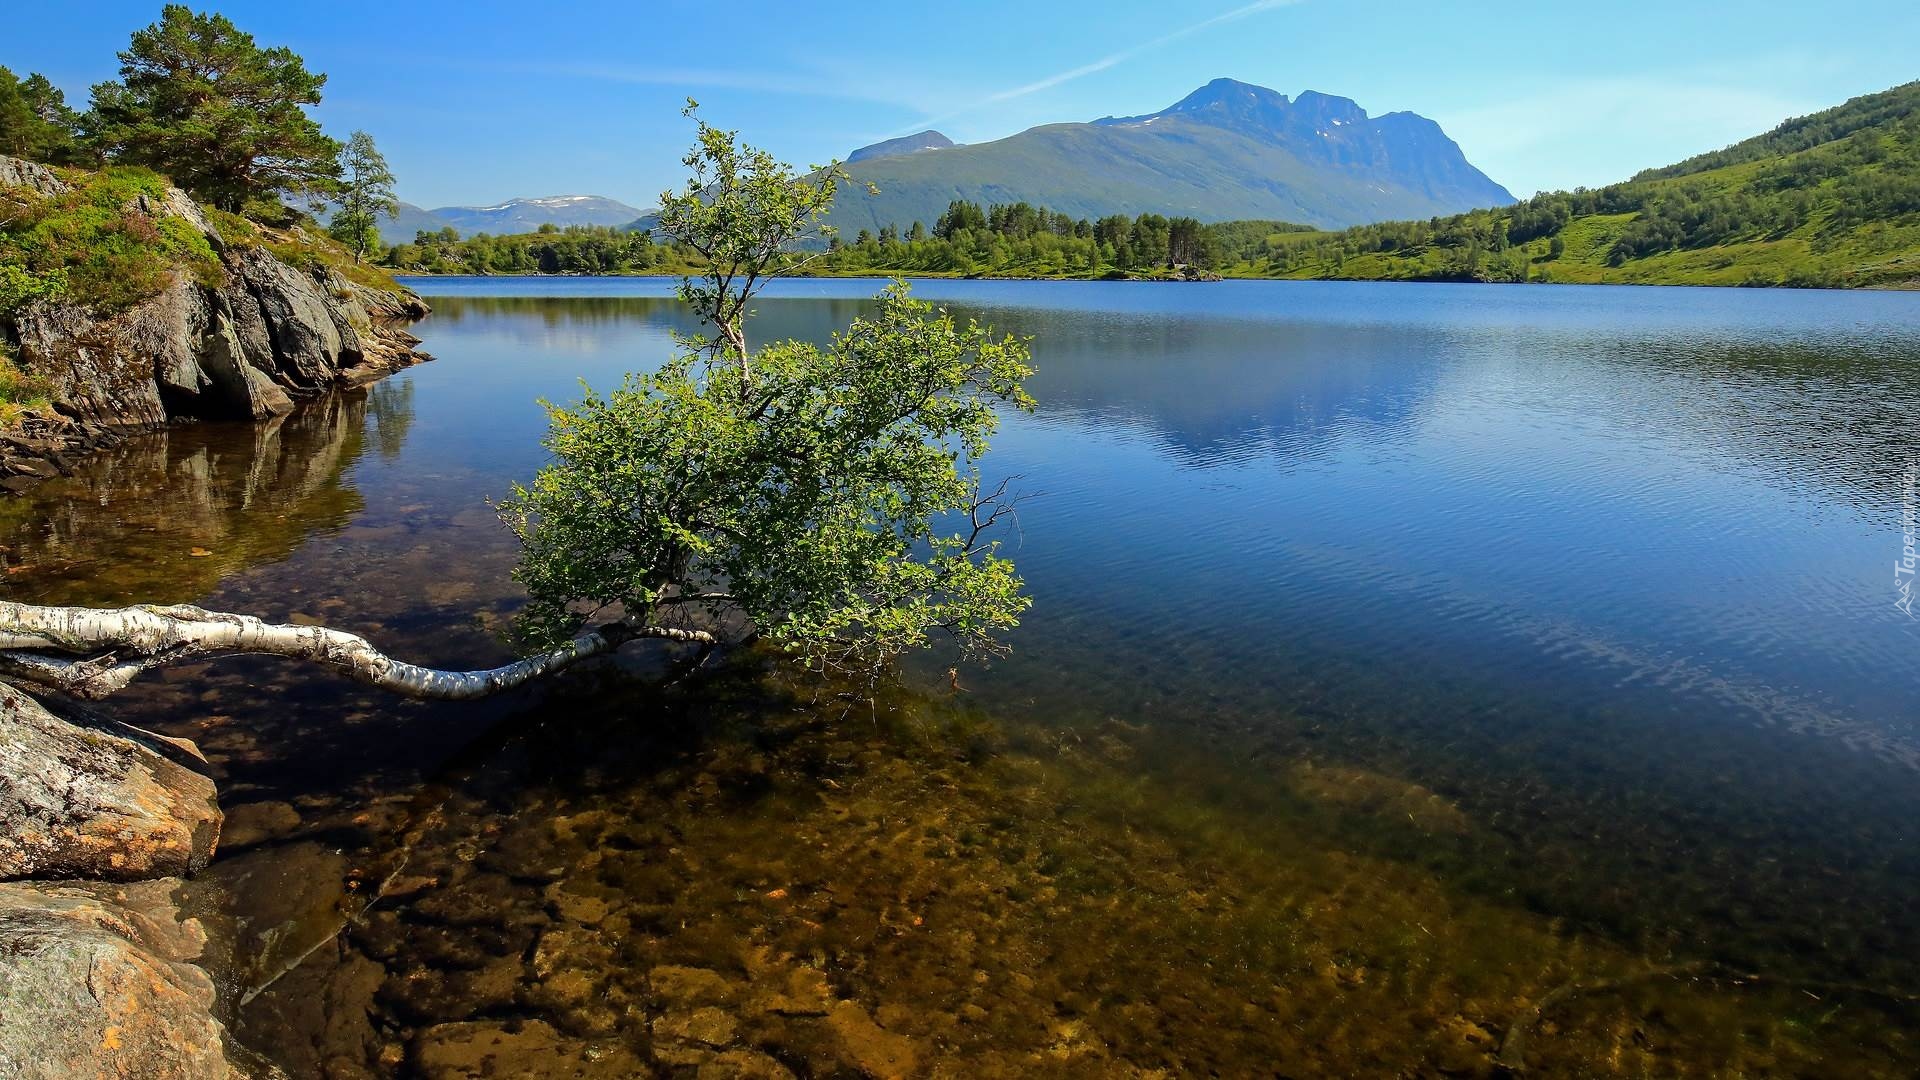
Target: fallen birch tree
823	497
92	652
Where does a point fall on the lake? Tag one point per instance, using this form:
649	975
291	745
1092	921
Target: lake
1419	678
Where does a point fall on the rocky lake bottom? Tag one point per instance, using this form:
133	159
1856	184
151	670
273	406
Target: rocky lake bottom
1358	814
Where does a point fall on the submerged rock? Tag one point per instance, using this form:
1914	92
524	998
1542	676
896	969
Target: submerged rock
94	981
677	987
742	1065
103	801
257	823
866	1046
530	1050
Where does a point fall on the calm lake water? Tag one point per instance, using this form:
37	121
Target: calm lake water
1419	678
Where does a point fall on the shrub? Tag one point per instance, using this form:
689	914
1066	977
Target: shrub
94	245
18	390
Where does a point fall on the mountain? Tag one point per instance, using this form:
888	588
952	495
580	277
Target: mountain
411	219
527	215
906	144
512	216
1830	199
1228	150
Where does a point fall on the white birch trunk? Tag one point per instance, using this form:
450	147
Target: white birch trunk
106	648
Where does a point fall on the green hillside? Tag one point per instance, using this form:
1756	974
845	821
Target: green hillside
1829	200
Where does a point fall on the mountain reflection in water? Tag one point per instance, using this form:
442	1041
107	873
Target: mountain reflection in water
1403	659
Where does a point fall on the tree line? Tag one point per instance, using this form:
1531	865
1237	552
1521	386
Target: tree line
1869	174
1020	238
1011	238
574	249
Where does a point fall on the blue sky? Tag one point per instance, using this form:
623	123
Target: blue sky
478	102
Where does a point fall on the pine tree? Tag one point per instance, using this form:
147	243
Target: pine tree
224	118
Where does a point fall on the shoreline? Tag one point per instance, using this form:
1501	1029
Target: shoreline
940	275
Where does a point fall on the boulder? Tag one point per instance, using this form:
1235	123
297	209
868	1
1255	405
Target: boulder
271	333
94	982
102	800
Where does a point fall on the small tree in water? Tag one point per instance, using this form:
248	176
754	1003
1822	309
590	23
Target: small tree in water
824	496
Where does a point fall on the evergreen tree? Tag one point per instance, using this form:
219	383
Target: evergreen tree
35	122
224	118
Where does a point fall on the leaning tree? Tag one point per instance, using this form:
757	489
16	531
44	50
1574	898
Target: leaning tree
822	497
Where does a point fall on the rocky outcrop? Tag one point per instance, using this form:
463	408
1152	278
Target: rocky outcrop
15	173
96	981
270	334
102	801
96	972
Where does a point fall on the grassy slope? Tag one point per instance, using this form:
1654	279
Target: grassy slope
1819	250
1874	254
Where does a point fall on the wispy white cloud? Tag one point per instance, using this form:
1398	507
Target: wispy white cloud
1103	63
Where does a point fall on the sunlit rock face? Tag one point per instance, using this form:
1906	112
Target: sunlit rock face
95	980
102	802
269	334
97	972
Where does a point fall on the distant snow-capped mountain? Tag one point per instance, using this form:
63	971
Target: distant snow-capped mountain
527	215
512	216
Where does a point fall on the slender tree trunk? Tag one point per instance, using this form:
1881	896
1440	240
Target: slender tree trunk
92	652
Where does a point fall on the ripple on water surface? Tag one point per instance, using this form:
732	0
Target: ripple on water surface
1412	672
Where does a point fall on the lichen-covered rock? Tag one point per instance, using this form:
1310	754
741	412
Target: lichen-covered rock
94	982
104	801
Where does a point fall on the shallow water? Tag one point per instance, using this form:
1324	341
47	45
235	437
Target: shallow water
1412	669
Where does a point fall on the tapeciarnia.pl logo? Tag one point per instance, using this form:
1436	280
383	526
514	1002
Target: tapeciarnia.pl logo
1903	567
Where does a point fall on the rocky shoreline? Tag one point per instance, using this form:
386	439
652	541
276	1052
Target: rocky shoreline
103	822
100	822
271	334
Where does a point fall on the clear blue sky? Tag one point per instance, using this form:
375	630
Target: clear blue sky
478	102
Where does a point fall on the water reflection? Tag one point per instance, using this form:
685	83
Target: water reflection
1401	658
164	517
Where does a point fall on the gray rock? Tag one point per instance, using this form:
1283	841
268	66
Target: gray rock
94	981
270	334
105	801
15	173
